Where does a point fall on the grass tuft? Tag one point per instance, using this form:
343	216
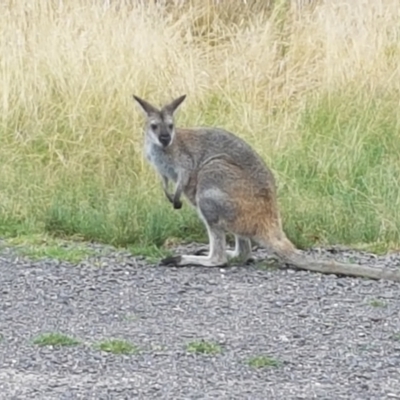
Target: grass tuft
263	362
55	339
267	265
117	346
378	303
203	347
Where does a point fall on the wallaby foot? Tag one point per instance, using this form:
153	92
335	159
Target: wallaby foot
242	249
216	258
201	252
204	261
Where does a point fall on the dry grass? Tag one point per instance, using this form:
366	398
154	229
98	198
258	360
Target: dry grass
315	90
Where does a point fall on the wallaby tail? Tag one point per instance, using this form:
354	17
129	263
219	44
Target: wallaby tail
287	253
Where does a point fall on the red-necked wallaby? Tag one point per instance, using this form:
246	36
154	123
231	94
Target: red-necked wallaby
232	190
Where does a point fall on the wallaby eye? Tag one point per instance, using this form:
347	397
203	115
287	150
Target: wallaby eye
170	127
153	126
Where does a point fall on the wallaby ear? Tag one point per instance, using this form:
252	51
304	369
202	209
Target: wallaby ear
147	107
171	107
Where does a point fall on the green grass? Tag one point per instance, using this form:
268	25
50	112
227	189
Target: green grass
151	253
71	162
55	339
263	362
337	184
267	265
339	180
117	346
378	303
203	347
39	247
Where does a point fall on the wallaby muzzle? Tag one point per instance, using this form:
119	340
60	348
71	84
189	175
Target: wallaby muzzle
165	139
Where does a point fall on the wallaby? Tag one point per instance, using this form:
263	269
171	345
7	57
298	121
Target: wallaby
232	190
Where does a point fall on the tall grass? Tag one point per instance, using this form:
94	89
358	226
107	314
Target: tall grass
315	89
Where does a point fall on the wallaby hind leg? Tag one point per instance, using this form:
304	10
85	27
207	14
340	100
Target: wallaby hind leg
215	258
210	210
242	249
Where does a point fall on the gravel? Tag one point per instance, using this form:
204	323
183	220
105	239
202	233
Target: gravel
333	338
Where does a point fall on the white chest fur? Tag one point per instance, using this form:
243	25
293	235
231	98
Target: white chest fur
162	161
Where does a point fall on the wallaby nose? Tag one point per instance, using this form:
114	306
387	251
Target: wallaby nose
165	139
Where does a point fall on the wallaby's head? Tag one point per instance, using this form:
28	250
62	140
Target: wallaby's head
160	126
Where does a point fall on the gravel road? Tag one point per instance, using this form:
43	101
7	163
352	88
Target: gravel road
328	338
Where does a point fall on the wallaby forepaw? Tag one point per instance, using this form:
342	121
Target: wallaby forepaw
177	205
173	260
